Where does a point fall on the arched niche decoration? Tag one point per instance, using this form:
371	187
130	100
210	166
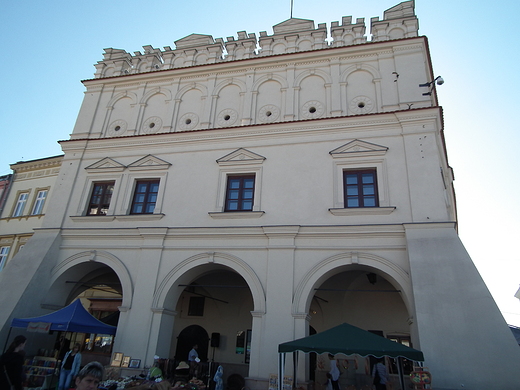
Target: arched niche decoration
397	33
312	95
126	94
155	110
361	83
156	91
269	96
312	72
190	100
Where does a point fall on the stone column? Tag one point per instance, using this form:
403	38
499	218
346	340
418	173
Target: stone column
278	322
140	338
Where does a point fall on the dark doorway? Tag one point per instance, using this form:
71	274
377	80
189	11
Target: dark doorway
189	336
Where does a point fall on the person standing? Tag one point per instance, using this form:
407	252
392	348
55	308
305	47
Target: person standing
334	373
11	364
381	379
69	367
219	381
193	359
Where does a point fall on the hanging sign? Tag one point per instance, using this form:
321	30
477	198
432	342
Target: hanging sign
40	327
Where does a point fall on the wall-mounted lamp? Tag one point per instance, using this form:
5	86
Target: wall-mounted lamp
372	278
437	80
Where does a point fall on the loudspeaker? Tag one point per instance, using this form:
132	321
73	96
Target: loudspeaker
215	340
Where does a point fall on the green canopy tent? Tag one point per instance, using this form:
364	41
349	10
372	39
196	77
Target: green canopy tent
348	340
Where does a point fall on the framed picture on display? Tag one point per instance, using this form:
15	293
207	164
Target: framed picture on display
126	361
134	363
117	358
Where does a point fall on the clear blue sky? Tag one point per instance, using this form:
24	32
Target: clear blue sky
49	46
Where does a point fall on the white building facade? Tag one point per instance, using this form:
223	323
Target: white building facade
246	194
23	198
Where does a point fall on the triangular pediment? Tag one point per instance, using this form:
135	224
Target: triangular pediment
149	162
293	25
106	165
241	156
194	40
358	147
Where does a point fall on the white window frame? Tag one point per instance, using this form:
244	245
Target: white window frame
87	193
4	252
220	205
360	155
20	203
39	201
129	189
240	162
382	184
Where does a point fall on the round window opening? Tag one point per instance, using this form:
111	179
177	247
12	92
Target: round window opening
188	121
151	125
312	110
227	117
117	128
361	104
268	113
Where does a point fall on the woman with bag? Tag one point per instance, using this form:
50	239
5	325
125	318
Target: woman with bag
11	365
69	367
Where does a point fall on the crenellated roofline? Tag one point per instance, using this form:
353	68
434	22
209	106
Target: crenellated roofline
290	36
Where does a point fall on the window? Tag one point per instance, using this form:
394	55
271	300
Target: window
145	197
240	193
100	198
20	204
196	306
407	365
38	204
4	251
360	188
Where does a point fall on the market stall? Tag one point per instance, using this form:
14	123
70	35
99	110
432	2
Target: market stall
72	318
348	340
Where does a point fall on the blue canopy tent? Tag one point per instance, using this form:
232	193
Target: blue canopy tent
72	318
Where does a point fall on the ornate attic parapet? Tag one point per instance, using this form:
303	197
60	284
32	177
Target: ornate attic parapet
290	36
398	22
293	35
197	49
348	33
244	47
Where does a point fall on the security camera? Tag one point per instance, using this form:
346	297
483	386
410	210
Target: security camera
440	80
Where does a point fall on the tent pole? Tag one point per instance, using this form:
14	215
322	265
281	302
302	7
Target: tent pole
400	371
295	368
281	364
